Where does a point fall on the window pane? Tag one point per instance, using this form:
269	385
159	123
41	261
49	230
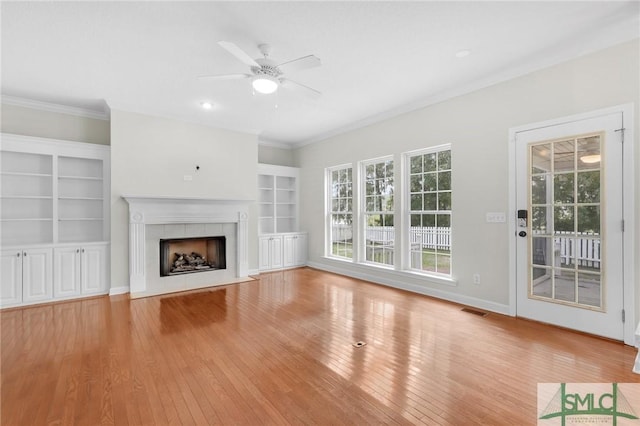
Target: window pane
416	201
539	220
416	183
589	153
444	201
589	289
589	219
542	251
541	158
444	181
428	220
430	182
541	282
430	162
416	164
415	220
539	189
444	160
563	188
589	187
431	201
443	220
563	156
563	220
565	285
443	264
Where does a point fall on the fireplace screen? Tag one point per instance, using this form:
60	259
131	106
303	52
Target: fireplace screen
189	255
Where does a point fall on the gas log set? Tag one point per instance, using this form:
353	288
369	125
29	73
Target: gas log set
189	262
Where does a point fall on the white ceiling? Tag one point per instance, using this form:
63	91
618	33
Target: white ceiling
379	58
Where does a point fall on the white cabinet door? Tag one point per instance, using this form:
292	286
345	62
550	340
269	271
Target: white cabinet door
94	269
11	277
295	250
37	275
275	249
264	261
300	255
270	256
66	269
289	253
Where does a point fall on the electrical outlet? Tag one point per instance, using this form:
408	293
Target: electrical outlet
476	279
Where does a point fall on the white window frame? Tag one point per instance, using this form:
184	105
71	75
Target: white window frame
328	212
406	213
362	212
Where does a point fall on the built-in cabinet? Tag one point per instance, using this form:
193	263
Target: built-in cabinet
270	252
281	245
79	270
26	276
54	219
294	250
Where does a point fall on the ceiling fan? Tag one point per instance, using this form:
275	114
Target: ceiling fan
267	75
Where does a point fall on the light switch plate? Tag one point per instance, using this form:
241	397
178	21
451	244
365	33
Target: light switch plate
496	217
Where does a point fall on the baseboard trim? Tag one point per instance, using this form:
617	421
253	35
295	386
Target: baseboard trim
118	290
401	284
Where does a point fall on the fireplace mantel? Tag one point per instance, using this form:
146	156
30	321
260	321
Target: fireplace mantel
167	210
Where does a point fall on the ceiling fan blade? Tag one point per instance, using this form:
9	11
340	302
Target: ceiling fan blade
224	77
238	53
303	63
290	84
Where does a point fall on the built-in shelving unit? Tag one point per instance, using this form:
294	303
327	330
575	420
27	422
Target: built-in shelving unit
281	245
278	198
53	198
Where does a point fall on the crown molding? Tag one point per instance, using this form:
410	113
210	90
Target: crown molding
57	108
275	144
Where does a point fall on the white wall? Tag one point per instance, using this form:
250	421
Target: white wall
46	124
151	156
278	156
477	126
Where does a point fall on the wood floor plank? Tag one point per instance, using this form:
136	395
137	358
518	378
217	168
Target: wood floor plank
279	351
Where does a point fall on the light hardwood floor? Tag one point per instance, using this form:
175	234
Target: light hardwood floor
279	350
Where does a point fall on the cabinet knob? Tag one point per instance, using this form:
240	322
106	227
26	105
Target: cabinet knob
77	250
24	254
18	254
83	250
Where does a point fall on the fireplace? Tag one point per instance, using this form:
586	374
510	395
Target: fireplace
190	255
154	218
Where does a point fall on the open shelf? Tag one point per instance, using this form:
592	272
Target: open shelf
52	193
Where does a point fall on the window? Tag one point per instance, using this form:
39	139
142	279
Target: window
379	233
341	212
429	189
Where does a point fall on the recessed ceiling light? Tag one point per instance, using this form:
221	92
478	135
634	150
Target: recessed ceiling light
463	53
206	105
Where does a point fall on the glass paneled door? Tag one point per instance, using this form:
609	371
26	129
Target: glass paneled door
569	234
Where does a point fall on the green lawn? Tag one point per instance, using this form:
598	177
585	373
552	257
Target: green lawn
429	258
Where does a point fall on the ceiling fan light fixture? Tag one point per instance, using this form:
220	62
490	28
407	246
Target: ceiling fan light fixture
265	84
590	159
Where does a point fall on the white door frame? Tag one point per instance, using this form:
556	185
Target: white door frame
628	208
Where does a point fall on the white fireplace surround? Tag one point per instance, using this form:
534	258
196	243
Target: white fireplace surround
156	210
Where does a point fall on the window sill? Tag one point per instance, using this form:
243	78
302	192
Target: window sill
436	279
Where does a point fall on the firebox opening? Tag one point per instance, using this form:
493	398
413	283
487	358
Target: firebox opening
189	255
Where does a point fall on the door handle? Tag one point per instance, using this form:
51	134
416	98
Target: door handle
522	233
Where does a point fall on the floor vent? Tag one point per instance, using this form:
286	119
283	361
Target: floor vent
359	344
474	312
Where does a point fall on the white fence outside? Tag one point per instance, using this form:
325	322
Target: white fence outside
429	237
584	247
